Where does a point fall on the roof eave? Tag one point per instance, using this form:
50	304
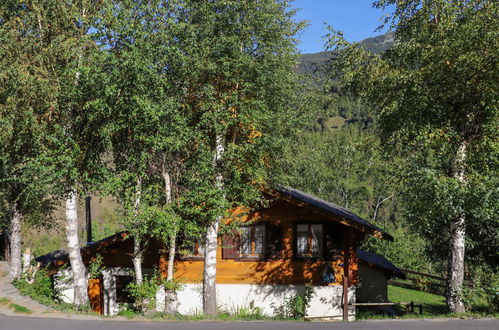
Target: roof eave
335	217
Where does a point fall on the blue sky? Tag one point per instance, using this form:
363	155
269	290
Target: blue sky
357	19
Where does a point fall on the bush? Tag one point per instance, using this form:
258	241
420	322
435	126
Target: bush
144	294
482	291
296	306
40	290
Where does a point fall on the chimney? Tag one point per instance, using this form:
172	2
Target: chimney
88	218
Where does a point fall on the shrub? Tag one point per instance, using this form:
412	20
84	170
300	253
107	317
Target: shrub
40	290
296	306
144	294
482	290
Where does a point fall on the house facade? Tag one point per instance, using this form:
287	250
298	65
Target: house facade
297	241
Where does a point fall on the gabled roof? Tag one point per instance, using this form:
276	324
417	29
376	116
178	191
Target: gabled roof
374	260
343	215
63	256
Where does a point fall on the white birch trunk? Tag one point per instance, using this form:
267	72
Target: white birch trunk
75	260
210	257
137	249
137	260
455	261
15	256
27	257
171	299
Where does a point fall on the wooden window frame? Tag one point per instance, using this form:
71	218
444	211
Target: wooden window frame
297	257
254	257
192	257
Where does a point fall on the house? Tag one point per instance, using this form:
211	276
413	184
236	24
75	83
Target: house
374	273
297	240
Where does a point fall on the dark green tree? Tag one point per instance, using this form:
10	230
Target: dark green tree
435	93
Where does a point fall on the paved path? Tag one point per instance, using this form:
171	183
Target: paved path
9	292
14	323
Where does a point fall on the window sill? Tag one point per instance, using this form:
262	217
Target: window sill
191	258
308	258
251	258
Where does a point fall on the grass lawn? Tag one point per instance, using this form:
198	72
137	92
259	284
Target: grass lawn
432	303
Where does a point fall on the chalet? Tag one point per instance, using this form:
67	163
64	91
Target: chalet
297	240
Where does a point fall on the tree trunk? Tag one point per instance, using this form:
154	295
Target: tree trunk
171	299
210	257
171	258
455	261
172	247
210	269
15	257
137	249
137	260
75	260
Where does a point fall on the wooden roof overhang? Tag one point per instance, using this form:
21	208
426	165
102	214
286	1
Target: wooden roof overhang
60	257
328	210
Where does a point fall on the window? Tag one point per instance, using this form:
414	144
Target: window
122	294
309	240
255	242
193	249
252	241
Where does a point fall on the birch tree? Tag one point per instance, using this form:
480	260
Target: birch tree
60	58
436	95
238	92
146	128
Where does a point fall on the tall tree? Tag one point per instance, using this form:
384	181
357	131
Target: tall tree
240	56
436	95
146	126
53	39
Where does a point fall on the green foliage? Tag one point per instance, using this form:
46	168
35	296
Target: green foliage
481	294
95	267
435	92
40	290
20	309
174	285
144	294
408	250
347	168
295	307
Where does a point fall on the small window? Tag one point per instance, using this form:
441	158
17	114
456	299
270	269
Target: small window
252	241
309	240
122	294
194	249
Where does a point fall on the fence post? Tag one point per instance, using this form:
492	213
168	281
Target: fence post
412	307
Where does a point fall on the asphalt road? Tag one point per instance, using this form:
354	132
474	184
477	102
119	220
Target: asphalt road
32	323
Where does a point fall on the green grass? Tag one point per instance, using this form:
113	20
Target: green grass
432	303
4	301
20	309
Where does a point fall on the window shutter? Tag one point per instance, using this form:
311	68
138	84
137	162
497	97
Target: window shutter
332	241
274	241
230	245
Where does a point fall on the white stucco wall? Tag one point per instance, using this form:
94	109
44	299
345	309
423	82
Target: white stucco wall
63	285
325	302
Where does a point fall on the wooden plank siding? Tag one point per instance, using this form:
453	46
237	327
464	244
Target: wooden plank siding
285	270
117	252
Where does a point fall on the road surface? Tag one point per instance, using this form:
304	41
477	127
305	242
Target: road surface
33	323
